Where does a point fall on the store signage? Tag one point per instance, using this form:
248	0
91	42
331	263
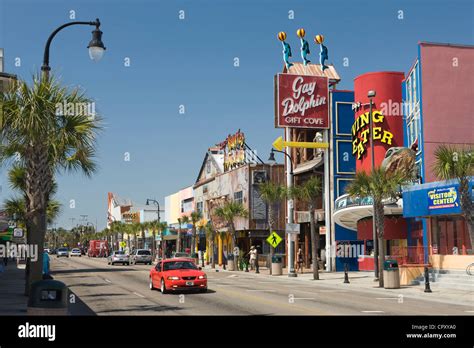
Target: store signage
234	151
292	228
446	197
302	101
360	132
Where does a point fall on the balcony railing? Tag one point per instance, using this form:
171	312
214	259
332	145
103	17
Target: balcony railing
346	201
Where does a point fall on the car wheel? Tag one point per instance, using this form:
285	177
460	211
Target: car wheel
152	287
163	287
203	290
128	263
112	263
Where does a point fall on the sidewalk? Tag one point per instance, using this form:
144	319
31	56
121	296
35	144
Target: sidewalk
12	287
363	281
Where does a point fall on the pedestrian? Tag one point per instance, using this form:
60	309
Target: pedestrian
253	257
46	266
299	258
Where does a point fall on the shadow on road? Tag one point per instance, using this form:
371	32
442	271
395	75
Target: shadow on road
79	307
145	308
94	270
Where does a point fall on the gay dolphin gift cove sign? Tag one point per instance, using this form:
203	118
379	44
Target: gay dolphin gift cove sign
302	101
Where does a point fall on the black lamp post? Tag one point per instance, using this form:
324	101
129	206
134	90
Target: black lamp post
154	201
96	46
371	94
272	161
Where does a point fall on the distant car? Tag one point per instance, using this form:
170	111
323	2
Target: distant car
118	256
141	256
63	252
54	251
180	255
177	274
76	252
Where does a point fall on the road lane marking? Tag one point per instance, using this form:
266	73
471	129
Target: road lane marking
263	290
303	298
108	281
469	311
372	311
139	295
386	298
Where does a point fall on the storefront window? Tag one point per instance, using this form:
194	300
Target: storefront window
449	236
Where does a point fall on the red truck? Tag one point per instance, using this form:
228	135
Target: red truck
98	248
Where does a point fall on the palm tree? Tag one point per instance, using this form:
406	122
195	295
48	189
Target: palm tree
181	220
272	194
309	192
457	163
161	227
195	217
47	143
210	236
228	212
381	186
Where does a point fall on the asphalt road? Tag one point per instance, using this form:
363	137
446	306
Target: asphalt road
123	290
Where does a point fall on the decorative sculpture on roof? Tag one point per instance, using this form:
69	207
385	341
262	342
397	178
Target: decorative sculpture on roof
286	49
304	46
323	54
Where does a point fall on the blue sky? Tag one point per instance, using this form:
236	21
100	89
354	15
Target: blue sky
190	62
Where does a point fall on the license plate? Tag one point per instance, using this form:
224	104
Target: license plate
189	283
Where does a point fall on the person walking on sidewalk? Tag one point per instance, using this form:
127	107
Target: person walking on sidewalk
253	257
299	258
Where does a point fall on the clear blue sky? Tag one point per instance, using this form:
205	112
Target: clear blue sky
190	62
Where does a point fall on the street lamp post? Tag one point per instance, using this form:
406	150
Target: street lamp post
96	46
289	184
154	201
371	94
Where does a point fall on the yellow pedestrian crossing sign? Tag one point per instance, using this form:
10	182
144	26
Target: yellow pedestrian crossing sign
123	244
274	239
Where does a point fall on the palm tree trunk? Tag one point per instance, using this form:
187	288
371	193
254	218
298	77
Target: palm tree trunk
38	226
154	244
233	243
193	240
270	229
213	261
178	241
379	223
314	244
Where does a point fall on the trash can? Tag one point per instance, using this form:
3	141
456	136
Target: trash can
276	265
48	297
391	274
230	262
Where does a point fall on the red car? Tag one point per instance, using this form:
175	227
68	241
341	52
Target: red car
177	274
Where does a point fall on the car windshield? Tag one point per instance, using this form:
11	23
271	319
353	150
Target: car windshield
169	266
120	252
143	252
75	250
62	249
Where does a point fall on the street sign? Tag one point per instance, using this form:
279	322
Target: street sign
279	144
123	244
18	233
274	239
293	228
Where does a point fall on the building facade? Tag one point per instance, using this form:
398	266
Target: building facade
438	109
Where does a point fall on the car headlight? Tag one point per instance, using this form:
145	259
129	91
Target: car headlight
173	278
202	276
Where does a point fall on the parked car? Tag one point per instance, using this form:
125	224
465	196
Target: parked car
63	252
177	274
54	251
76	252
118	256
141	256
